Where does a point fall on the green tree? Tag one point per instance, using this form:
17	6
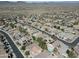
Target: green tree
33	37
54	26
75	23
42	43
22	30
71	54
62	30
58	27
39	39
55	50
23	47
27	53
18	43
12	25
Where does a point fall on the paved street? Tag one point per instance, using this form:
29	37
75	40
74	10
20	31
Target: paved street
73	44
15	49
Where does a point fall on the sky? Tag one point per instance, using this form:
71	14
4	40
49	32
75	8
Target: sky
38	0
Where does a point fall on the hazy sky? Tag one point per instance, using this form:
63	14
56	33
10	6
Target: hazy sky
39	0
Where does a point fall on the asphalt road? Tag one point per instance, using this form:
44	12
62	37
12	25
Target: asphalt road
71	45
14	47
